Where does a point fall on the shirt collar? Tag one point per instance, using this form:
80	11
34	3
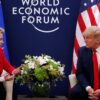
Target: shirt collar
98	49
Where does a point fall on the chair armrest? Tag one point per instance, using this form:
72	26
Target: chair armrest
72	80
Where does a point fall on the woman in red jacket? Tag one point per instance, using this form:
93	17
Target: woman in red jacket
4	65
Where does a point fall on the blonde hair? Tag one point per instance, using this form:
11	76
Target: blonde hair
93	30
2	30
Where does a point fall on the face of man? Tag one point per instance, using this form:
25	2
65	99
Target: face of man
90	41
1	39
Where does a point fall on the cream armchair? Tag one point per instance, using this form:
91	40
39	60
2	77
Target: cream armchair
8	86
72	80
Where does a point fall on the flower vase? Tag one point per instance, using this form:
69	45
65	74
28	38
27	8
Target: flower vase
41	90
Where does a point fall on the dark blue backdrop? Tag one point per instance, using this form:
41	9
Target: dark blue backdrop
24	39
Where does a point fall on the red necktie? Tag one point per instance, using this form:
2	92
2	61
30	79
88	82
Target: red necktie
95	70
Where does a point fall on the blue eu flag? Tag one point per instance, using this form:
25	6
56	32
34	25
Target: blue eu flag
4	37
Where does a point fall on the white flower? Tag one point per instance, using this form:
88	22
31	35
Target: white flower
53	61
42	85
25	72
41	60
31	65
26	61
50	67
22	71
58	62
49	57
35	57
61	69
46	58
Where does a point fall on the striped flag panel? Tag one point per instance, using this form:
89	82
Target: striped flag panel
89	15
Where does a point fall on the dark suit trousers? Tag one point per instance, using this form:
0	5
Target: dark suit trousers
77	93
2	92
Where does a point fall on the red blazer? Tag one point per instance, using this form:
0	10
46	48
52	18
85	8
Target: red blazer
4	63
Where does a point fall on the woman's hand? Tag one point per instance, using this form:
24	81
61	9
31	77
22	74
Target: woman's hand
17	70
9	77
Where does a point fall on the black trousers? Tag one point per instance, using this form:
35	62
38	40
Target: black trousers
2	92
78	93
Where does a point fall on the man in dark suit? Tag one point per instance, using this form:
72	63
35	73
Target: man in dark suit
87	75
6	66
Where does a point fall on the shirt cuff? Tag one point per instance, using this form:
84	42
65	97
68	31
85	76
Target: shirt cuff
87	88
2	79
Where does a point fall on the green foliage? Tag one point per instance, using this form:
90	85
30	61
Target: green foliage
39	72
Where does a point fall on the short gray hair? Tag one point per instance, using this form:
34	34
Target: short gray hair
93	30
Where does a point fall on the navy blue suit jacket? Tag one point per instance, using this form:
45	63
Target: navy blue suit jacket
84	71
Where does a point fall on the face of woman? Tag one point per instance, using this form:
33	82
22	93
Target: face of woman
1	39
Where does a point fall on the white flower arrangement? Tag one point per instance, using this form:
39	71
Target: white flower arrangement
40	70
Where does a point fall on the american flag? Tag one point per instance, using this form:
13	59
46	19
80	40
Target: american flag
89	15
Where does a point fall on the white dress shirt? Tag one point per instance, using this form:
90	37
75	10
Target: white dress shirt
98	56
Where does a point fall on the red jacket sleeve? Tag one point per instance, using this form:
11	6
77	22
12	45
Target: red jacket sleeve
4	63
